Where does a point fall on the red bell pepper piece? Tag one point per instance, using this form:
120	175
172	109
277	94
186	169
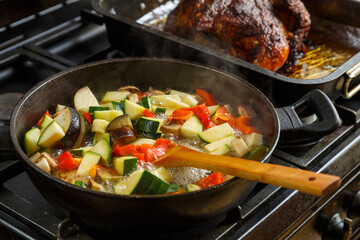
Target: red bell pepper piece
144	94
125	150
213	179
182	114
149	151
67	162
152	152
147	113
223	116
209	100
243	124
203	114
42	118
88	117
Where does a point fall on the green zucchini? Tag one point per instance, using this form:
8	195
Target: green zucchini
80	152
219	143
31	140
257	152
52	134
192	187
141	182
133	110
118	105
46	121
98	136
107	115
215	133
145	102
213	109
80	184
125	165
160	110
89	160
191	127
92	109
114	96
223	150
99	125
103	148
172	188
149	124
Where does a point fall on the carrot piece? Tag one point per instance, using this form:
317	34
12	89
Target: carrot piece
88	117
147	113
243	124
209	100
213	179
42	118
67	162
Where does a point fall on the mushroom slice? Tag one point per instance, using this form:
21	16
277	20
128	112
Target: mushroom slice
129	88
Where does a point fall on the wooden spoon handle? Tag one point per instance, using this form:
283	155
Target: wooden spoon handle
305	181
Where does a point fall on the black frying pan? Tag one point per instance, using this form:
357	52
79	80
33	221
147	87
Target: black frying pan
171	212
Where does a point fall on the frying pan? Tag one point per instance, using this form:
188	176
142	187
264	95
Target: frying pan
171	212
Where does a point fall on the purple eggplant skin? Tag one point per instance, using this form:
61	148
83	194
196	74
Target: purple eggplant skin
122	135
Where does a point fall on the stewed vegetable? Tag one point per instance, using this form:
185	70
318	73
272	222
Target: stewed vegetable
109	145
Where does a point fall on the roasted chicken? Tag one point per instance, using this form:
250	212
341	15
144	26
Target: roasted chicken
263	32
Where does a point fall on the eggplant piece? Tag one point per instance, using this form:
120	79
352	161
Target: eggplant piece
69	120
84	134
119	122
122	135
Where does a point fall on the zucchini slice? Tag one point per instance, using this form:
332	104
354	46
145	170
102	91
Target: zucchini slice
171	102
80	152
114	96
103	148
192	187
52	134
191	127
149	124
145	102
219	143
107	115
144	182
98	136
213	109
46	121
31	140
134	110
88	161
92	109
223	150
99	125
125	165
215	133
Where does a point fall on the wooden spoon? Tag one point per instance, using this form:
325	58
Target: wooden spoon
317	184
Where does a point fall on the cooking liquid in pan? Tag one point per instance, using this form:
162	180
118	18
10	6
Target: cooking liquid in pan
324	50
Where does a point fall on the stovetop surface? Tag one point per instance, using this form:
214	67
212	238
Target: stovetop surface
29	56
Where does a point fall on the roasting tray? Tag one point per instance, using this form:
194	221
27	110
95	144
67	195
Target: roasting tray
130	30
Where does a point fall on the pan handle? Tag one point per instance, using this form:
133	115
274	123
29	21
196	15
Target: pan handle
352	73
293	129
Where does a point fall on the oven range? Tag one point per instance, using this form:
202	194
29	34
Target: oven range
69	34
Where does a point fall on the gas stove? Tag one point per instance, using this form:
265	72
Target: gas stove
68	34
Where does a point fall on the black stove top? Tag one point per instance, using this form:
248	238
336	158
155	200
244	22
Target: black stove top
69	34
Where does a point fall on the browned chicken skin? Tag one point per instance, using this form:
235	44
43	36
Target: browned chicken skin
264	32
